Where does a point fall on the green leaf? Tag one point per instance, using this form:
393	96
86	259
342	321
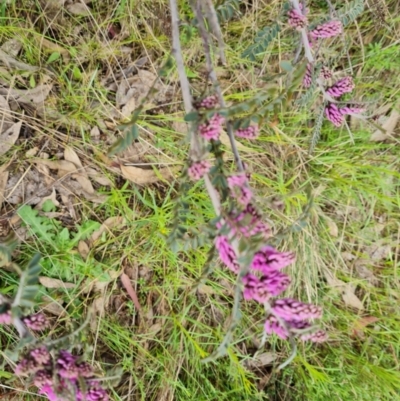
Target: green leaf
48	206
262	41
43	227
286	65
85	231
53	57
28	285
350	11
192	116
125	141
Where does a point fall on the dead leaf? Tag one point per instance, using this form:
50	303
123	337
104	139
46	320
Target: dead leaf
79	9
12	47
360	324
129	108
98	177
49	282
9	137
12	63
71	156
54	47
346	290
204	289
365	273
141	176
261	360
126	282
32	152
98	307
35	95
350	298
110	223
389	125
6	120
51	197
83	249
63	165
101	285
52	306
3	181
378	251
332	228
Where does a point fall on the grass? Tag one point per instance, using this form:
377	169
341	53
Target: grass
355	214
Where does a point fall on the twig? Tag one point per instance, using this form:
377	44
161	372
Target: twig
214	25
213	77
304	37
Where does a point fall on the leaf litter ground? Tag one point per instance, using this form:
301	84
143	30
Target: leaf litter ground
70	75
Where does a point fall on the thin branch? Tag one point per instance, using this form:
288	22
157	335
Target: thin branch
304	36
205	37
214	25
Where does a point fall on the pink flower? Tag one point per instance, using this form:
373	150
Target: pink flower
208	103
212	128
307	79
296	20
40	355
316	337
248	222
5	317
48	391
26	366
95	392
327	30
344	85
272	325
351	110
42	378
239	189
66	365
36	322
262	289
251	132
199	169
325	73
227	253
334	115
269	259
291	310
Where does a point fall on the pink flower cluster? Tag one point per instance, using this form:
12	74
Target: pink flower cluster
35	322
61	378
199	169
339	88
336	115
251	132
296	20
239	186
327	30
208	103
212	128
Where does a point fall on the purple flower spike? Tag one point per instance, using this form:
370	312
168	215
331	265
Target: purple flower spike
307	79
239	189
85	369
208	103
26	366
319	336
251	132
327	30
262	289
199	169
66	365
41	355
351	110
248	223
36	322
290	309
273	326
227	253
48	391
334	115
269	259
5	318
344	85
96	393
42	378
296	20
326	73
212	128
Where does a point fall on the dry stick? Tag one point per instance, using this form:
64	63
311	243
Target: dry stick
214	25
187	99
213	77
